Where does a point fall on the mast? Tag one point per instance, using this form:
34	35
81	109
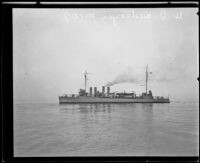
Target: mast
85	75
146	79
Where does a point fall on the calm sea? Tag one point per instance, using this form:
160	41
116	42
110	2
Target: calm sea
106	129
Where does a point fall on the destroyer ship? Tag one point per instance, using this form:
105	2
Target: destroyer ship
111	97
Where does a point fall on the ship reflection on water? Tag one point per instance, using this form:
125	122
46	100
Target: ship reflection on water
86	108
105	107
88	112
103	112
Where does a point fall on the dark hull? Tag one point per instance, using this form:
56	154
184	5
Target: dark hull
77	100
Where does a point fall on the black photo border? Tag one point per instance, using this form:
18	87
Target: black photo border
7	77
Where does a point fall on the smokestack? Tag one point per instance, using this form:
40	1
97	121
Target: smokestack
103	90
95	91
108	90
90	91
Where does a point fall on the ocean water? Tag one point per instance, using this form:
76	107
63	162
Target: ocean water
106	129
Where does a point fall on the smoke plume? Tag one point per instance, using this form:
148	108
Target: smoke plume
122	78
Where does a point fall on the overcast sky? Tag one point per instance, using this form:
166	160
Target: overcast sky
53	48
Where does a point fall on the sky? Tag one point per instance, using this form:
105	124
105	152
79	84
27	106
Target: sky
52	48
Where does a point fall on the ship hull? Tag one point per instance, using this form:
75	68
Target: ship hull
67	100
